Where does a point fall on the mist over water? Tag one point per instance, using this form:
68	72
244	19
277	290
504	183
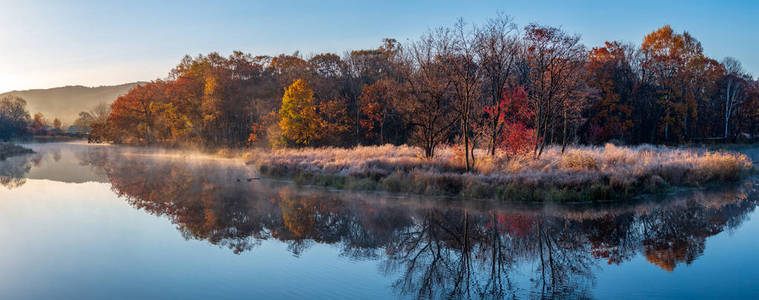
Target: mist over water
91	221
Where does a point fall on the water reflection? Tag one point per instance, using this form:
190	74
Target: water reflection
71	163
14	170
429	248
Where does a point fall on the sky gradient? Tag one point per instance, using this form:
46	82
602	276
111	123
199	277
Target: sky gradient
55	43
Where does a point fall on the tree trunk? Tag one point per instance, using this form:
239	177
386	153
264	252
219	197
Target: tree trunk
466	141
358	123
382	130
564	135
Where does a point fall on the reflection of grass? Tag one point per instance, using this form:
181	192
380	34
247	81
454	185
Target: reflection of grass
579	174
8	150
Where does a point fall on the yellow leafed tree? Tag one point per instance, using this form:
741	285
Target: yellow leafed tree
298	119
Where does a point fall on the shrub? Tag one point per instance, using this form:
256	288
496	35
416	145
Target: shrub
579	160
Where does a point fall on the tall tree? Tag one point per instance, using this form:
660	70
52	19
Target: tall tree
611	75
13	117
299	121
377	109
133	114
429	109
555	61
498	46
57	124
462	67
668	56
734	85
365	68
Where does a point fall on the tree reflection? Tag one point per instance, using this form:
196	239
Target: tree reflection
670	237
14	170
431	249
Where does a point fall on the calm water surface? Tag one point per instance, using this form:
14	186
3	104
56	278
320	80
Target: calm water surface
80	221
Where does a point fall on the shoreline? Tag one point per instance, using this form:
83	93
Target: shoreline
582	174
8	150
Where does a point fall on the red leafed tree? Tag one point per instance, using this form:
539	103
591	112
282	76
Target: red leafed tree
375	106
516	225
133	113
513	113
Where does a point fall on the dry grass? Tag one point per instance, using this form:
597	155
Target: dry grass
581	173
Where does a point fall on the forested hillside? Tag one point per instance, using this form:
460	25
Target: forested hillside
65	103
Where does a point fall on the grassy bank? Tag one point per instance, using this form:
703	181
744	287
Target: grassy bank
579	174
8	150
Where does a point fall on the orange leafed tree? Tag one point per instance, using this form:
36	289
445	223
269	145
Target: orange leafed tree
299	121
670	61
608	73
376	105
133	113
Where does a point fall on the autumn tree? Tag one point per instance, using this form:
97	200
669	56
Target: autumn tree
39	121
289	68
452	85
299	121
429	108
336	123
377	108
38	124
747	118
57	124
555	61
611	75
330	75
208	100
330	78
95	123
132	114
703	91
222	98
365	67
669	57
498	46
99	113
514	115
13	117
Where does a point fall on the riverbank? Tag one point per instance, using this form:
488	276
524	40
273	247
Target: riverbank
8	150
579	174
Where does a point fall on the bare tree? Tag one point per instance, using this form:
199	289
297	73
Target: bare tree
555	61
461	61
499	48
425	100
733	88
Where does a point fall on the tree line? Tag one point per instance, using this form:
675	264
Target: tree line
495	86
16	122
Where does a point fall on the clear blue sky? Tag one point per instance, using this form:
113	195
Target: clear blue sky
53	43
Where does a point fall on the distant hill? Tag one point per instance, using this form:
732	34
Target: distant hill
67	102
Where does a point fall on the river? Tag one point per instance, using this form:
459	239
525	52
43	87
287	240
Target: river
89	221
